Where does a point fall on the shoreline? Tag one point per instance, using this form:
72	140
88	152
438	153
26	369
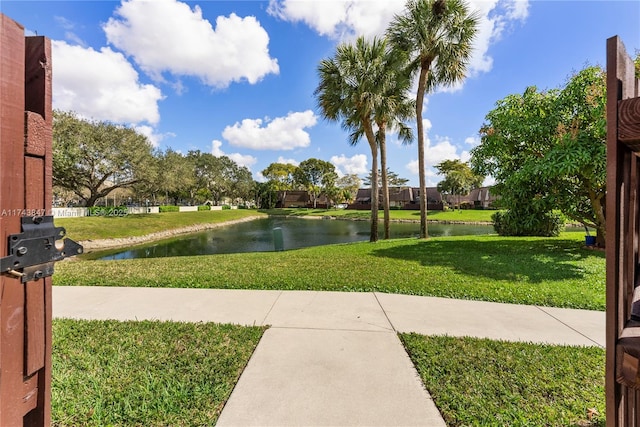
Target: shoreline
118	242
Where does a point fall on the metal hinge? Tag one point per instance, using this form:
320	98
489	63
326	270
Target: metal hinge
33	252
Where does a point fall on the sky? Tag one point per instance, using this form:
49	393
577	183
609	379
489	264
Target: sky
237	78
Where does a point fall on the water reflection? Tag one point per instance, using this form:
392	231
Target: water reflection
257	236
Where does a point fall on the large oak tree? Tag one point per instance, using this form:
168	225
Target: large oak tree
93	158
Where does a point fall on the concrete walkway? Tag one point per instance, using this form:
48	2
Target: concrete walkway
333	358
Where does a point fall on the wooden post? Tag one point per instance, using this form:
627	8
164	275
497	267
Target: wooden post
622	236
25	190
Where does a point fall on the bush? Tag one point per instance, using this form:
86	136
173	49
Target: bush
225	207
169	208
204	208
108	211
511	223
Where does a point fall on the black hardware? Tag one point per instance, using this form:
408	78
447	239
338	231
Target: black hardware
33	252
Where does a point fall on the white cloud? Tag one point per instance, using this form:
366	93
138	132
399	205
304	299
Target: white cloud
151	134
496	18
281	133
69	26
488	181
169	36
215	148
426	125
241	159
284	161
518	9
345	19
431	176
443	149
101	85
356	164
259	177
472	140
436	152
339	19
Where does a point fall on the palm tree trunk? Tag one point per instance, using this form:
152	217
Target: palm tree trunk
421	164
385	179
373	237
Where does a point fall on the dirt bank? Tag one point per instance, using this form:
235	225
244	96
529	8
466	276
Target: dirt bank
94	245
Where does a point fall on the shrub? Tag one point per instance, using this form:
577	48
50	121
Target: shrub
204	208
169	208
225	207
510	223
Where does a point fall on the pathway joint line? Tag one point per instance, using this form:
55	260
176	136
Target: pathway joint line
393	328
271	308
312	328
542	308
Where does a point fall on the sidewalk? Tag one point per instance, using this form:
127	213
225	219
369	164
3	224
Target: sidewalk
333	358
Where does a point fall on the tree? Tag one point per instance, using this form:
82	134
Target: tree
240	181
265	195
177	179
349	186
438	34
218	178
316	176
547	150
361	87
281	176
92	158
458	180
393	177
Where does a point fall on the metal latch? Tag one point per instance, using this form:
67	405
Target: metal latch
33	252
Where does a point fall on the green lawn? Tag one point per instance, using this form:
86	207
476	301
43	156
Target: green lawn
556	272
468	215
112	227
145	373
479	382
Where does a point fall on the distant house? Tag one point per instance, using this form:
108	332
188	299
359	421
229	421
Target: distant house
482	197
399	197
434	199
479	198
300	199
293	199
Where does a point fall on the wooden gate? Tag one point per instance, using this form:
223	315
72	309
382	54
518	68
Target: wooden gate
622	238
25	191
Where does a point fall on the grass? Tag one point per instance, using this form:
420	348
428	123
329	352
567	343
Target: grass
112	227
467	215
482	382
145	373
525	270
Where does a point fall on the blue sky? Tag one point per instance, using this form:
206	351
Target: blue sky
236	78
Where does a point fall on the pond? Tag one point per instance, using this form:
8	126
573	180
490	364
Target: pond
258	236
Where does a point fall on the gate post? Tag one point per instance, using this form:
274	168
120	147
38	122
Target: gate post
25	190
622	239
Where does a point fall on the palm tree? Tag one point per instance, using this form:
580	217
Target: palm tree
358	86
438	36
393	110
